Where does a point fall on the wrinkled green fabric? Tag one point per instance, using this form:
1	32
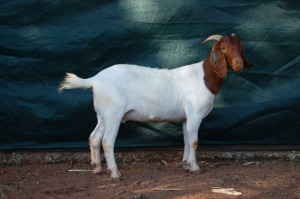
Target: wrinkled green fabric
42	40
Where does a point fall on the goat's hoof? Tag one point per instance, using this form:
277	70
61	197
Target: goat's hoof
185	165
97	170
115	179
195	169
115	176
93	164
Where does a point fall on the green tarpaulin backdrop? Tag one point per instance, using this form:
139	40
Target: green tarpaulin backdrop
41	40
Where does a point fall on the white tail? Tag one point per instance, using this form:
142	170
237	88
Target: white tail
72	81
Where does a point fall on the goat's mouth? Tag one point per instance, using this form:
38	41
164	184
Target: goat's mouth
237	64
237	67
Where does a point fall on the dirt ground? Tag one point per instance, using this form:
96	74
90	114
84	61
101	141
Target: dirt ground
153	175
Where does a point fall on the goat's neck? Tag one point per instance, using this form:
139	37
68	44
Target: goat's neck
211	79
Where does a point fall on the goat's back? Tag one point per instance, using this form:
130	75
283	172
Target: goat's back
149	94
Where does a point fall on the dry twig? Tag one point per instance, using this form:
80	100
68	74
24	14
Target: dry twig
71	165
228	191
79	170
128	187
6	187
167	189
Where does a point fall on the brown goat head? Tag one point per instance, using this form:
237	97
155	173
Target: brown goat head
227	53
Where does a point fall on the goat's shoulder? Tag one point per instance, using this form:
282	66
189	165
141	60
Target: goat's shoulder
190	69
190	74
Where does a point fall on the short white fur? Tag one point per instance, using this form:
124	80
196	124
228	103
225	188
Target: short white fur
130	92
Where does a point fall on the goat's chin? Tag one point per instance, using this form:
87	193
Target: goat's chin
237	68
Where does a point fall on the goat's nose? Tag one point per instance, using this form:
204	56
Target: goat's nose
239	62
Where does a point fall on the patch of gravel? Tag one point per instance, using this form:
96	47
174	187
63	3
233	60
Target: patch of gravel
23	158
283	155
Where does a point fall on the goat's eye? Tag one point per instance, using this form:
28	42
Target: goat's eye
223	48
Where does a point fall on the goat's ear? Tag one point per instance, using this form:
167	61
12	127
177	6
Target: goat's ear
246	63
218	61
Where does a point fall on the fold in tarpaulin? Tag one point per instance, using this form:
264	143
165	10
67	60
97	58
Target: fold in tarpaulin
42	40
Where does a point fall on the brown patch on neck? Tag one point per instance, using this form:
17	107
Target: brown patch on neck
211	79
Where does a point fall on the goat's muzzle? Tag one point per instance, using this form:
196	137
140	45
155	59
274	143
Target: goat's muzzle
237	64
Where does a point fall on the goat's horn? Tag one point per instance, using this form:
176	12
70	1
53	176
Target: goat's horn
213	37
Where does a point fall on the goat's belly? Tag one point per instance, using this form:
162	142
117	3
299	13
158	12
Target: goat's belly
153	117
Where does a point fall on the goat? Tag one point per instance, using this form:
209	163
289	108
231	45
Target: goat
129	92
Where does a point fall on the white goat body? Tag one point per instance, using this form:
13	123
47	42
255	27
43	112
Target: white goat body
147	94
128	92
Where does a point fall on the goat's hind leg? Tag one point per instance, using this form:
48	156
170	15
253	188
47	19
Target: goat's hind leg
108	143
95	142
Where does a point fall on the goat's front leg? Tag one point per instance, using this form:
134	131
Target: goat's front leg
192	128
186	147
